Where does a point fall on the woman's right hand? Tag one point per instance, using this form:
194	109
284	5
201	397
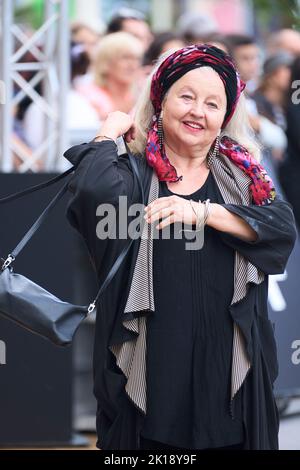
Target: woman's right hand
116	124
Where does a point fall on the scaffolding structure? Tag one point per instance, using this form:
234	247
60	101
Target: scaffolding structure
49	46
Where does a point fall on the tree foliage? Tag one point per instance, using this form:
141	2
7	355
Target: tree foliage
282	13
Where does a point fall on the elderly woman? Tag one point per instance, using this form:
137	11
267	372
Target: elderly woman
185	356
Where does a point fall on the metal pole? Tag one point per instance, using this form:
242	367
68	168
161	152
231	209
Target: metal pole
52	68
6	111
49	84
63	66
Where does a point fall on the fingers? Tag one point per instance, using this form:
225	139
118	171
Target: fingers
128	137
130	134
158	214
133	132
167	221
162	207
158	204
171	209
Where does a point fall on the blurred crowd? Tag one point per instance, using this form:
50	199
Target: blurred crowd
108	71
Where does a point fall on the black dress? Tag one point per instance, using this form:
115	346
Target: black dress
189	340
118	420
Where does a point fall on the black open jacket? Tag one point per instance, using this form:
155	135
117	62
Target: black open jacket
101	177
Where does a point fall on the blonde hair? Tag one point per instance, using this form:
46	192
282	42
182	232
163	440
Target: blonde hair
238	127
110	47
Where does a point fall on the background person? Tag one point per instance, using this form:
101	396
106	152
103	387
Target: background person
82	33
289	170
133	22
116	68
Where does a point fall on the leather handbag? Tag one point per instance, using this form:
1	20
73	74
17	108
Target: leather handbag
30	305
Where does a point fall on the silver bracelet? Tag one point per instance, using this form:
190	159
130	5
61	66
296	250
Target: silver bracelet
200	216
198	221
191	201
207	210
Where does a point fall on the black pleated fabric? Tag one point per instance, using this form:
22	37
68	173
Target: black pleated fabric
189	340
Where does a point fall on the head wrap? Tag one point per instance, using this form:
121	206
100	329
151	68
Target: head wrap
192	57
172	69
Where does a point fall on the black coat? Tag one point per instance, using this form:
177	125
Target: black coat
102	177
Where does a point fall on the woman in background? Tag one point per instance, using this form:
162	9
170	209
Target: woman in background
116	68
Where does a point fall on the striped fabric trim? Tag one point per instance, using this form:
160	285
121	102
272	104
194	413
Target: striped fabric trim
131	355
131	358
140	299
234	190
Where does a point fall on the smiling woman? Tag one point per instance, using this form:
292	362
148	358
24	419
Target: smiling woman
182	358
193	112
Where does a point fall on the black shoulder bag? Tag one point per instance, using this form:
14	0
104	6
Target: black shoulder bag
30	305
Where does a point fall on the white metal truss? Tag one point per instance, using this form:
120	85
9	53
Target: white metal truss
49	46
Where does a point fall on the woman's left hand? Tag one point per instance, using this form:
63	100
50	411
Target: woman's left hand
177	209
171	209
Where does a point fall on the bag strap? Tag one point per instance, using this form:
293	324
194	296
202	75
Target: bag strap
12	256
39	221
32	189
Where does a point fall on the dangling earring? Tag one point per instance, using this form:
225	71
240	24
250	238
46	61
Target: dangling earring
216	147
160	131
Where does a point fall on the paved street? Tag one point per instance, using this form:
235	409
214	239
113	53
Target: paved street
289	432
